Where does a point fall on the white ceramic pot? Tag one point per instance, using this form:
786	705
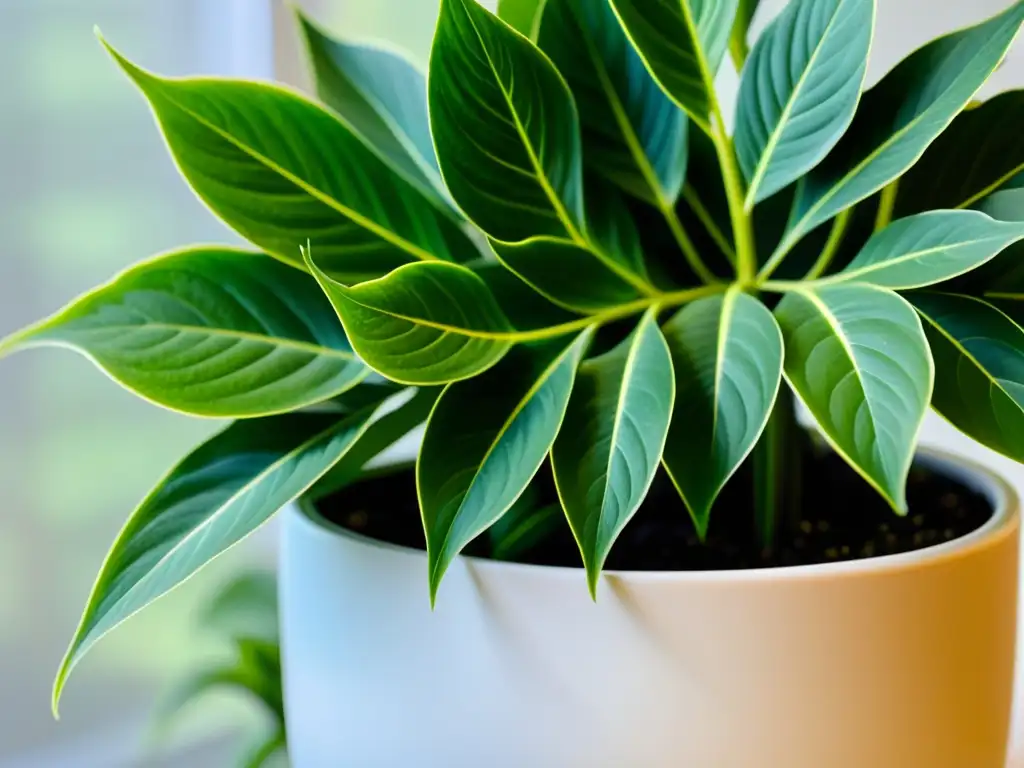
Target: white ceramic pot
903	661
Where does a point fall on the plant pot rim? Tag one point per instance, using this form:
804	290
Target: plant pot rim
992	485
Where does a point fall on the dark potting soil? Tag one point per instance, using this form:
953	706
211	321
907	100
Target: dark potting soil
843	518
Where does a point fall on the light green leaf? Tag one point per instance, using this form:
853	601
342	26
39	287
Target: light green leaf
209	331
898	118
425	323
858	358
269	751
505	128
256	672
382	95
213	499
283	171
1005	205
611	440
740	30
727	355
486	439
979	368
929	248
799	90
245	607
981	150
522	15
566	274
633	134
683	43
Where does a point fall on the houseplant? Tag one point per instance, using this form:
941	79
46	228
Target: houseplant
243	614
637	281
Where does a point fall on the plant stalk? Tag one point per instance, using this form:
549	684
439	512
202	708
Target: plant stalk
835	239
743	231
774	462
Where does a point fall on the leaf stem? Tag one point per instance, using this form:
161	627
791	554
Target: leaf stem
743	231
663	300
886	203
689	250
701	212
835	239
738	48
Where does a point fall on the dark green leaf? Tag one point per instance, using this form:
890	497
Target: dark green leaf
381	435
486	439
505	128
979	368
800	89
526	309
900	117
522	528
283	171
858	358
611	440
209	331
727	356
425	323
214	498
522	15
380	94
633	134
566	274
683	43
929	248
981	150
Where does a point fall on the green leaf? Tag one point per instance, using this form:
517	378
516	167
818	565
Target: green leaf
245	607
521	528
382	95
979	368
566	274
633	134
898	118
425	323
1006	204
522	15
381	435
978	153
256	672
264	751
929	248
526	309
727	355
283	171
486	439
209	331
858	358
800	89
214	498
505	128
682	42
740	29
611	440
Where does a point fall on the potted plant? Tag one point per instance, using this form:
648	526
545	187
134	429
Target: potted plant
691	357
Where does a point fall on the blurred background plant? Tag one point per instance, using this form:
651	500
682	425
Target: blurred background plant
243	617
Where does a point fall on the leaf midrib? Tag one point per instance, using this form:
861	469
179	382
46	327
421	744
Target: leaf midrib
776	135
798	230
877	266
628	372
214	516
964	351
726	314
372	227
840	334
541	381
276	341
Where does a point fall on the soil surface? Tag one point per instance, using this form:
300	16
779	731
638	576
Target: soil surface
843	518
